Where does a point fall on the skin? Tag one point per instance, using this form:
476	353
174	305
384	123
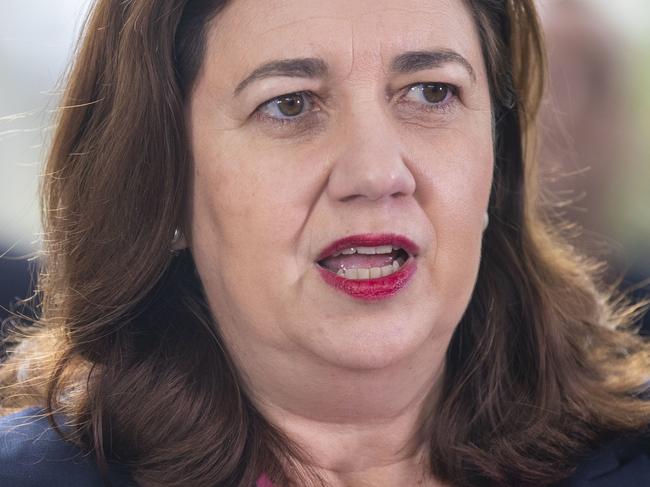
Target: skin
344	378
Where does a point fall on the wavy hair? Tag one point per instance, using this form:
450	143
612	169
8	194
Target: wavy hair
543	366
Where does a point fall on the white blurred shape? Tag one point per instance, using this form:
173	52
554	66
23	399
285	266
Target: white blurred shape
37	38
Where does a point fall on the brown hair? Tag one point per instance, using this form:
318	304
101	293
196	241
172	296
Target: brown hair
541	368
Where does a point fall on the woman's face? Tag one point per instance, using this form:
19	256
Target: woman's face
383	135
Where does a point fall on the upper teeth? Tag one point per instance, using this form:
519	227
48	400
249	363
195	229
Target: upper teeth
382	249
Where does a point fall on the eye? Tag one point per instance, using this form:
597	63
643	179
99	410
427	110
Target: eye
436	94
285	107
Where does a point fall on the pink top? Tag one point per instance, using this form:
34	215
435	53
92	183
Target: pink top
263	481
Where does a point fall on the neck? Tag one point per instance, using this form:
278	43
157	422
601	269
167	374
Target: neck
358	452
356	426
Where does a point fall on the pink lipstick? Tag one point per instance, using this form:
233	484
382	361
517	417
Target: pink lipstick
369	267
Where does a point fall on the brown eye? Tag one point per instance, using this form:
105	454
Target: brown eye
435	92
290	105
288	108
432	96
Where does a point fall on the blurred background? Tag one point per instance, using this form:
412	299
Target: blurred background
37	38
594	146
594	151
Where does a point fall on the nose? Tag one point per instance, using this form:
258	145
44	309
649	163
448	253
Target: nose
369	161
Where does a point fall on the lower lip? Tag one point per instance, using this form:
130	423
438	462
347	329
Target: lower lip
372	289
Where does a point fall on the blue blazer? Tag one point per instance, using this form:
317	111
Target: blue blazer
34	455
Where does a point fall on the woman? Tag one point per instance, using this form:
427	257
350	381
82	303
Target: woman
359	290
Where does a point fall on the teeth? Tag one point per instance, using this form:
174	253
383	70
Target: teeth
370	273
381	249
351	274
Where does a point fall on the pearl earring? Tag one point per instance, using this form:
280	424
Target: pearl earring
178	241
486	220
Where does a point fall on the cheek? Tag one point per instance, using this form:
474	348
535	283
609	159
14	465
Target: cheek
458	189
222	212
455	179
248	216
462	189
235	227
248	211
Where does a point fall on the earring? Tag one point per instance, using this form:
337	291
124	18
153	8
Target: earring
486	220
178	241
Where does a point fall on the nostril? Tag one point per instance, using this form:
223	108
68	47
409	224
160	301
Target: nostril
370	171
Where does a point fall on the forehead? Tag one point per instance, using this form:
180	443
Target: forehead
352	35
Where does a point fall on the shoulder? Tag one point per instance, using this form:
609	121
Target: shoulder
33	454
624	462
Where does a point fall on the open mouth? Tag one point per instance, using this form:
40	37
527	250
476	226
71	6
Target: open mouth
362	262
369	267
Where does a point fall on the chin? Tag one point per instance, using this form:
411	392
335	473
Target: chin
363	345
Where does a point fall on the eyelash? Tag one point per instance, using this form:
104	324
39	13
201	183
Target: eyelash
441	107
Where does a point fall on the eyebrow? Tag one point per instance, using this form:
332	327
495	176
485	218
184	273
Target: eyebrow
293	68
413	61
408	62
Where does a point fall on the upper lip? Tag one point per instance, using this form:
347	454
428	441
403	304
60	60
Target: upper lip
370	240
